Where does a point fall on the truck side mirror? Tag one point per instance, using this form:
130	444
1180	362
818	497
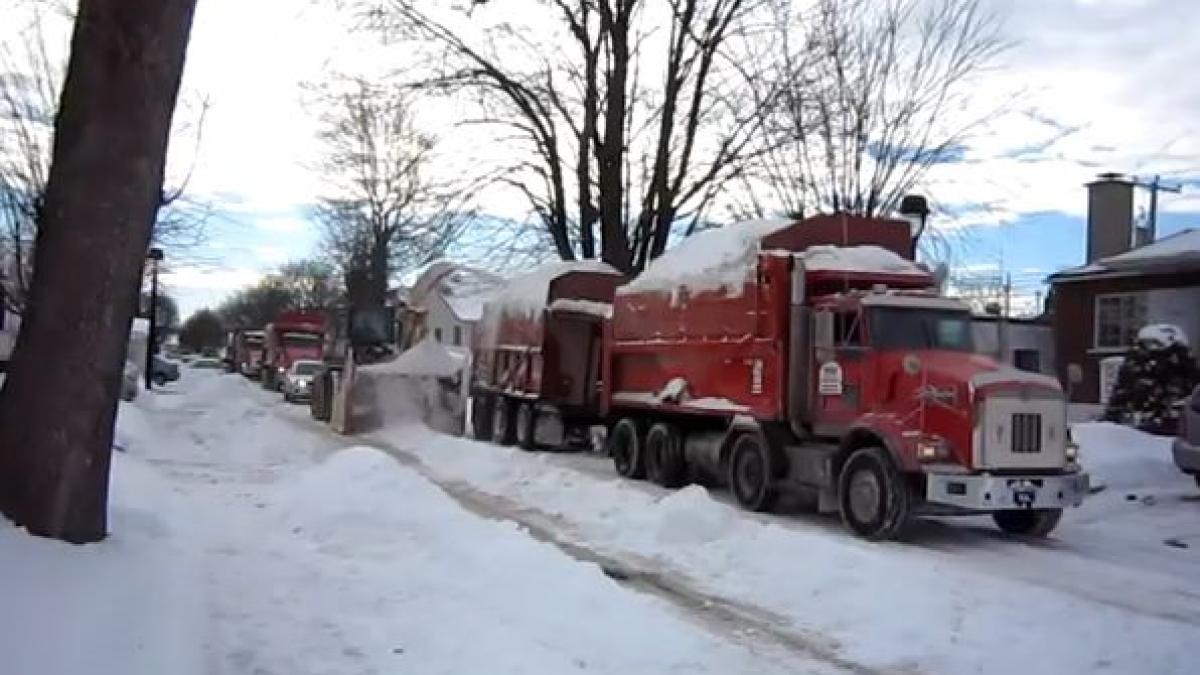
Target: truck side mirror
823	335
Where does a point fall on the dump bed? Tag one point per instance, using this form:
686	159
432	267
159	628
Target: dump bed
540	337
706	328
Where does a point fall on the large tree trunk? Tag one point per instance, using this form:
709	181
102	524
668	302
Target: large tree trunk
59	403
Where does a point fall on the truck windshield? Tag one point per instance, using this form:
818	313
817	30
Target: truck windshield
918	328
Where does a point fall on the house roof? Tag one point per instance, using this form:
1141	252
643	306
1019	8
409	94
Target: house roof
464	289
1179	252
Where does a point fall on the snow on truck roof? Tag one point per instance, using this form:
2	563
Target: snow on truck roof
527	293
721	258
707	260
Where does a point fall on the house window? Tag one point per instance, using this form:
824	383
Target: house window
437	334
1119	316
1027	359
457	335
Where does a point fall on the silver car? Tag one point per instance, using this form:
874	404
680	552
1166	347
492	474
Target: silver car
297	383
1187	444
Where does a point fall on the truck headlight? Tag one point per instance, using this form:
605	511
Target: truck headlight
1072	451
932	449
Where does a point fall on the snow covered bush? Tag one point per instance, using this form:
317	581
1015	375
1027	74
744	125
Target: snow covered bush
1158	372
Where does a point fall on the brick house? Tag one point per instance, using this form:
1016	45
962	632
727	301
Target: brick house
1099	307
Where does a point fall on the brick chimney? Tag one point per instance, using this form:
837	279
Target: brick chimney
1110	229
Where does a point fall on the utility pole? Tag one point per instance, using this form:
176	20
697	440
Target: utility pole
155	256
1004	314
1155	186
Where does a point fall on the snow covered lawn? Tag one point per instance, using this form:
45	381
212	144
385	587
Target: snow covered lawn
246	541
1106	593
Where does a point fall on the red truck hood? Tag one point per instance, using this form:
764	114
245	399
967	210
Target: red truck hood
975	372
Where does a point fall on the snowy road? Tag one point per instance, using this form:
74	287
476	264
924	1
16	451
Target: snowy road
248	539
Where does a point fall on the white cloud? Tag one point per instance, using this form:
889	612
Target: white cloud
207	277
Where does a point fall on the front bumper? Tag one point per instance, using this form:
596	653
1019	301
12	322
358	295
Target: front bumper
1187	456
985	492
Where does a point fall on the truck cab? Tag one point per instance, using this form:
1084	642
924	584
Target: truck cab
895	372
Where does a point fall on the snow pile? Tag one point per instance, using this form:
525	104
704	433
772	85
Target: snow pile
427	358
867	258
712	260
601	310
1123	458
129	605
1163	335
527	293
676	392
690	517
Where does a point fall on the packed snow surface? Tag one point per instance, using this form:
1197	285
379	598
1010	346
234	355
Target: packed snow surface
1106	593
715	259
1162	334
246	540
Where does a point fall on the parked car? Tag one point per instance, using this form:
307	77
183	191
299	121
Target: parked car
207	362
163	371
1187	443
297	383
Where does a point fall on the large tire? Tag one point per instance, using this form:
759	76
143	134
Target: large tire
665	463
625	448
502	422
481	417
526	425
873	496
1031	523
266	379
160	379
751	470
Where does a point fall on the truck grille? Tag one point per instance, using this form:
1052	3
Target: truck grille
1026	433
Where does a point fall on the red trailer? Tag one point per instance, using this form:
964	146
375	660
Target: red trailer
294	335
817	358
537	354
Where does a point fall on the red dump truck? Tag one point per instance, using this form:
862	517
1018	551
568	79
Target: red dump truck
246	352
815	358
538	353
294	335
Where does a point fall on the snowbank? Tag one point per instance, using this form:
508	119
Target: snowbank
427	358
1123	458
129	605
711	260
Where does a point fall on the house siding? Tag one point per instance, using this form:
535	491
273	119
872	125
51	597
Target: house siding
1174	298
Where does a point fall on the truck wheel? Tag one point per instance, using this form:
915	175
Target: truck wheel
873	496
751	470
526	425
664	455
160	379
625	448
502	422
1032	523
481	417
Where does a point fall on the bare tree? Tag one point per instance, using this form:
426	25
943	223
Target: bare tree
623	125
384	212
104	187
31	77
867	97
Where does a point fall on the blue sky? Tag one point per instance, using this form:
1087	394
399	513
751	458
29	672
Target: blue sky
1090	86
